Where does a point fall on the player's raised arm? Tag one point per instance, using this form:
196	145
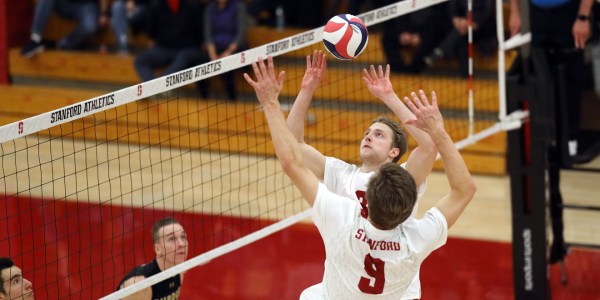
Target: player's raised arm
268	87
315	70
462	186
421	159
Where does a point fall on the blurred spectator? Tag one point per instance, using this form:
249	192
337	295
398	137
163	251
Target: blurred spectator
175	28
355	7
561	28
124	13
303	14
420	31
455	44
225	34
594	46
88	13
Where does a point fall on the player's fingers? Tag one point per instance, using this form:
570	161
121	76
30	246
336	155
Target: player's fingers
271	67
416	100
307	62
366	76
249	80
434	100
323	60
320	58
410	122
315	59
373	74
410	105
387	71
256	71
380	69
424	99
262	68
281	78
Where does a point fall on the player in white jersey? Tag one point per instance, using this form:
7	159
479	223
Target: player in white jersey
374	252
384	141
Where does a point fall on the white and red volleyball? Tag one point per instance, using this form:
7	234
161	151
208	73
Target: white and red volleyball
345	36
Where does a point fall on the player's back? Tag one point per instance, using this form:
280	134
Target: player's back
370	262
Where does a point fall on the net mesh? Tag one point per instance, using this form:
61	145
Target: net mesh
82	185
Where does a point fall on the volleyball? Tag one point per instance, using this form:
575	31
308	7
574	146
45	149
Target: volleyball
345	36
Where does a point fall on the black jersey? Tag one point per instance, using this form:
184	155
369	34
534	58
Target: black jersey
167	289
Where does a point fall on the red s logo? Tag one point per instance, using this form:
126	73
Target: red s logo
20	128
243	58
362	199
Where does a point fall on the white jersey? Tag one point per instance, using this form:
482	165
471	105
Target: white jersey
363	262
348	181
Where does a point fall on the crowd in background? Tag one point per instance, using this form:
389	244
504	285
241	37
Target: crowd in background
184	33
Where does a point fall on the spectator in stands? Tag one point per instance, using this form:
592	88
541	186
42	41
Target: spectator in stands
175	27
356	7
455	44
225	34
419	31
124	13
561	28
171	248
14	286
294	13
90	14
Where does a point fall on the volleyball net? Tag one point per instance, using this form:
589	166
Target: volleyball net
82	185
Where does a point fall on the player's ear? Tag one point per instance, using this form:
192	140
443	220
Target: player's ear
157	248
394	152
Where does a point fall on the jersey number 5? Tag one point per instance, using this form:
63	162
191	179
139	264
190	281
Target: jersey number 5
375	269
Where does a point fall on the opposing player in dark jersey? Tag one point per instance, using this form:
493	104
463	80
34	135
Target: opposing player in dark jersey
14	285
171	248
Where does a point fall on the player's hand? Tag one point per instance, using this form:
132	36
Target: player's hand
428	116
267	86
314	71
581	33
378	83
514	23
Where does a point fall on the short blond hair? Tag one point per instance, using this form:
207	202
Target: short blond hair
399	139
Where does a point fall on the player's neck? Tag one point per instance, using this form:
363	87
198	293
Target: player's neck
367	168
375	225
163	264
